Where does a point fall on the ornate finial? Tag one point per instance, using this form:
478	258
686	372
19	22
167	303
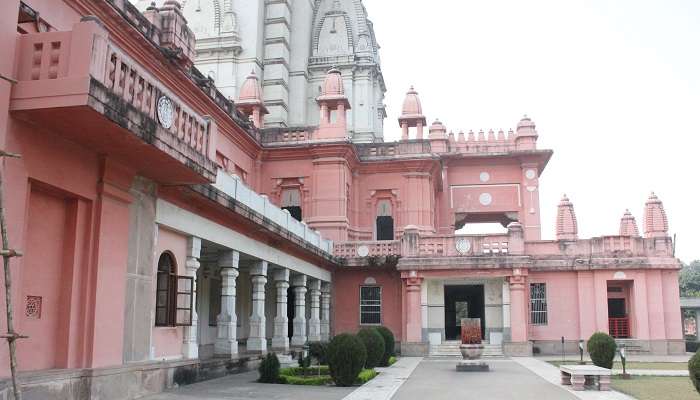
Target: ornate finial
628	225
655	220
567	225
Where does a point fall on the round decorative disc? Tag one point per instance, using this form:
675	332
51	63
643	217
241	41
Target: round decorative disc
485	199
530	174
166	112
363	251
484	177
463	246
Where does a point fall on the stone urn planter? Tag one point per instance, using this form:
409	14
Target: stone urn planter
471	351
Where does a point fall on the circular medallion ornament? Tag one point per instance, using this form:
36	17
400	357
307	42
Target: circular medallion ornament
485	199
363	251
463	246
530	174
484	177
166	112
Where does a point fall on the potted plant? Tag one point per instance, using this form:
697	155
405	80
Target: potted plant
471	347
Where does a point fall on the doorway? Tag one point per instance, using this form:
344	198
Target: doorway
463	301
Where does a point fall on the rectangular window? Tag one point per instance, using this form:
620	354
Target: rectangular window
538	304
370	305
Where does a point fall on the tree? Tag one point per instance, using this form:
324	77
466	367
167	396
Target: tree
689	279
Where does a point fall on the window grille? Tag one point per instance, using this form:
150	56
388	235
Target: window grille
370	305
538	304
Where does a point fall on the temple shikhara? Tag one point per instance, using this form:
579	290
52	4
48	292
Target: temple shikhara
204	181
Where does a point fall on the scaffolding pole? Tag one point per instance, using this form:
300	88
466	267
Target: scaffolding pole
7	253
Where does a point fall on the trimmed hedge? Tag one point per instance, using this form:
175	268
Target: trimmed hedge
269	369
366	375
297	371
374	344
317	350
389	345
315	380
694	370
346	356
392	360
601	348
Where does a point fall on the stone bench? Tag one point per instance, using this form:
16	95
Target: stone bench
578	376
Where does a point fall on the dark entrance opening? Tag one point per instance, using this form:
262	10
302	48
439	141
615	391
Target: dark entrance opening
290	312
385	228
463	301
616	308
294	211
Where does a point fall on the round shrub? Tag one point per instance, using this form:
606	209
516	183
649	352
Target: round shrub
317	350
389	344
374	343
694	370
346	356
601	347
269	369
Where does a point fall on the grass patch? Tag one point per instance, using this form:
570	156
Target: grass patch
656	387
673	366
366	375
392	360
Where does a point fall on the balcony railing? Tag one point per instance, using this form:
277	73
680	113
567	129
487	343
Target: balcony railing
619	328
392	149
367	248
237	190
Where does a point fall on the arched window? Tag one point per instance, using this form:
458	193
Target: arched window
291	201
385	221
174	294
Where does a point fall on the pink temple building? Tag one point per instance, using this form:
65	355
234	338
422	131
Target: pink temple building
169	237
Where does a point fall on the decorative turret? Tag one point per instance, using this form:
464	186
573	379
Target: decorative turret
412	115
175	35
567	226
334	104
250	100
437	134
655	221
526	135
628	225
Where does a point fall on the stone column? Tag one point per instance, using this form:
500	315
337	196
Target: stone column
256	338
413	308
518	311
325	311
506	311
315	318
226	343
299	323
190	345
280	336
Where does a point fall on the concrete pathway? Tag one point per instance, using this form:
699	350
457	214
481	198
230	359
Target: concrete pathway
507	380
551	374
387	382
244	387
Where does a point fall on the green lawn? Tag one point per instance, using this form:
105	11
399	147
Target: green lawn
656	387
677	366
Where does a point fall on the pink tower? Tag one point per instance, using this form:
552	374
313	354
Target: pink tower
333	104
567	226
526	135
655	221
412	115
437	134
628	225
250	101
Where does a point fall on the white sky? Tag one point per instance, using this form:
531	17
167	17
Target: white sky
613	86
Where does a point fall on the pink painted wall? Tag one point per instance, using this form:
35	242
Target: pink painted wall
346	299
562	303
167	341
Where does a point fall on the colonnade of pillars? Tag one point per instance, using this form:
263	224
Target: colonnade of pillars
315	291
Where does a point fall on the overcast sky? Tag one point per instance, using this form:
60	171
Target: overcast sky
613	86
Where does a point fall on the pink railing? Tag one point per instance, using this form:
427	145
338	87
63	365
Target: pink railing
367	248
483	143
69	56
463	245
618	246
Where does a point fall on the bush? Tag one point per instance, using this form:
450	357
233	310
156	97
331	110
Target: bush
296	371
366	375
269	369
315	380
389	345
392	360
694	370
346	356
601	347
317	350
374	343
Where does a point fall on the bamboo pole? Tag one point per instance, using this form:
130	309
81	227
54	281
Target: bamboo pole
7	254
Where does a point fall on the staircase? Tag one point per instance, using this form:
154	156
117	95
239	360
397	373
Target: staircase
450	348
632	346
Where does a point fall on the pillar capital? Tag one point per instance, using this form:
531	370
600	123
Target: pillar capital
281	275
259	268
299	281
229	259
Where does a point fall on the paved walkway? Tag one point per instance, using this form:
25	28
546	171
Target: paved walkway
387	382
244	387
438	380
